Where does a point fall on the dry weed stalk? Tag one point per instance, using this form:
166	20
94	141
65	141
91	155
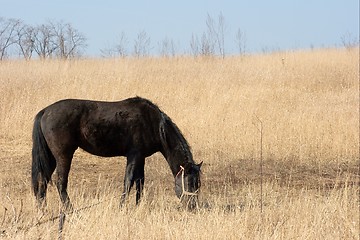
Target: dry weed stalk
16	214
259	127
4	216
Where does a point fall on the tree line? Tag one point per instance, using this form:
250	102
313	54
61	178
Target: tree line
210	43
49	40
62	41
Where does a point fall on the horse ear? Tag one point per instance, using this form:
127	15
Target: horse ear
198	166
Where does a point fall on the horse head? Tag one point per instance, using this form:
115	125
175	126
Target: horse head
187	184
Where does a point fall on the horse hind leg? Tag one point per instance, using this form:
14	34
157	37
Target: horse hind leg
62	170
64	197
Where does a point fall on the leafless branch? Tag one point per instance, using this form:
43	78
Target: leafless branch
7	35
142	45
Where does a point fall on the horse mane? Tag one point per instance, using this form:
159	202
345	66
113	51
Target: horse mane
172	139
177	150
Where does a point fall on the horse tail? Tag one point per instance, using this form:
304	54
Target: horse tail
43	161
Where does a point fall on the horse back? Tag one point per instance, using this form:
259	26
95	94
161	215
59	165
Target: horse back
103	128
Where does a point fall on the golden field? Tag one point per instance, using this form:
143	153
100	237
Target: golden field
307	101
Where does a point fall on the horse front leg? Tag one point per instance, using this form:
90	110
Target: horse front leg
134	173
128	182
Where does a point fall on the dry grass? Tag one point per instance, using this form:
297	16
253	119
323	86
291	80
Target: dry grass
309	105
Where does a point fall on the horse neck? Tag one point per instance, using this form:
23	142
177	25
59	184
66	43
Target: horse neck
179	157
176	150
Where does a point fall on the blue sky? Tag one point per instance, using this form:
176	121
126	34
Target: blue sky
276	24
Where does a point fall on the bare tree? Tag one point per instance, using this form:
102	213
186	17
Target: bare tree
142	45
216	34
74	43
221	34
349	41
209	38
194	45
58	40
25	35
212	40
46	40
117	50
207	47
67	41
44	44
204	47
121	46
167	48
107	52
7	35
240	39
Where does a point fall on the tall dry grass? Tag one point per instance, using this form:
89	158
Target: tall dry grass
288	214
308	103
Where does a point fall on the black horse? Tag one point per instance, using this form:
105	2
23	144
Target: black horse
135	128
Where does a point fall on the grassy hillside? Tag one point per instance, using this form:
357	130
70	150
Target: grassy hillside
308	103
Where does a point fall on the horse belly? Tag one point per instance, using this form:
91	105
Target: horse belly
102	151
103	143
